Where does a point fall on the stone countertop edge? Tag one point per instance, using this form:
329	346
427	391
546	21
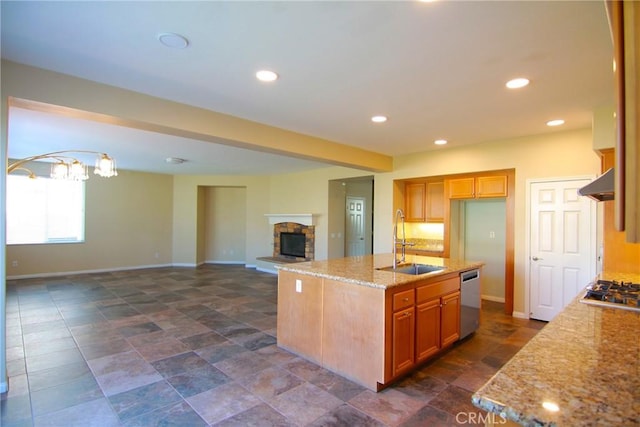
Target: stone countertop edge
585	361
364	270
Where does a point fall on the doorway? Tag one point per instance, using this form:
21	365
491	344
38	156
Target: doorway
485	240
562	244
350	229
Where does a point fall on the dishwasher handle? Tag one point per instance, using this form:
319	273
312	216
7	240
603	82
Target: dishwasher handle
469	275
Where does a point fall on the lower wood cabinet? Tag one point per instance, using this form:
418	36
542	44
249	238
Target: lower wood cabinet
450	319
403	344
437	325
420	331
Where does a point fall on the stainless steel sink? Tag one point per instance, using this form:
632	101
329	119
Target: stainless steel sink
413	269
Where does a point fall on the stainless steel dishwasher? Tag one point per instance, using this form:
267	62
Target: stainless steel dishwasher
469	302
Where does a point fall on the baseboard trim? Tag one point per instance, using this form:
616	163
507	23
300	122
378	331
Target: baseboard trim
267	270
137	267
520	315
492	298
99	270
224	262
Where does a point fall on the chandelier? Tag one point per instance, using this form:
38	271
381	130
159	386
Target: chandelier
68	167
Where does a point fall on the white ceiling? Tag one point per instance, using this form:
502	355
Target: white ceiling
437	70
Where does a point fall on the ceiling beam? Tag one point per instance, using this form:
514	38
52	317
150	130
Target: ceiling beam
42	90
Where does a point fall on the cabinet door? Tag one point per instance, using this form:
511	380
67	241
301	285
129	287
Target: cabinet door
414	201
461	188
450	318
435	202
492	186
427	329
403	349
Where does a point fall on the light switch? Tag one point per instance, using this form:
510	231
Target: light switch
298	285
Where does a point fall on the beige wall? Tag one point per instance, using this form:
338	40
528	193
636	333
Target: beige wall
225	224
128	224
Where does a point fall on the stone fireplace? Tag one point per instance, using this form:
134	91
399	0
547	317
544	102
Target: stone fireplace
300	224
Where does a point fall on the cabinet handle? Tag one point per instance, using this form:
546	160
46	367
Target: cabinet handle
405	299
407	314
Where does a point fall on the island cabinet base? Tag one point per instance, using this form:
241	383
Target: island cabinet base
363	333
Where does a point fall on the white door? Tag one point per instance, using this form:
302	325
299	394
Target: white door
562	245
355	229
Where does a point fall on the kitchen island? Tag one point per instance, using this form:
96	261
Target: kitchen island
583	368
355	318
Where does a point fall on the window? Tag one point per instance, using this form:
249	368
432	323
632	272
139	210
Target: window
44	210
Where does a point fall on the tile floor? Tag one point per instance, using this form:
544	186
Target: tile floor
196	347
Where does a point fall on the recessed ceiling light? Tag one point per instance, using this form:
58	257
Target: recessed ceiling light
379	119
556	122
517	83
440	141
174	160
266	76
173	40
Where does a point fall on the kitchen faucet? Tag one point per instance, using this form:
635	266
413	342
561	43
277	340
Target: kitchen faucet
402	242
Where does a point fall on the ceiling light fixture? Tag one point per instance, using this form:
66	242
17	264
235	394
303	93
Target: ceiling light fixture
173	40
556	122
379	119
440	142
266	76
518	83
174	160
68	167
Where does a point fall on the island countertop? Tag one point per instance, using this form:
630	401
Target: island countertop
364	270
583	368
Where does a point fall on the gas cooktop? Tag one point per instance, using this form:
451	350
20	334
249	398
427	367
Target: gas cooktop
614	294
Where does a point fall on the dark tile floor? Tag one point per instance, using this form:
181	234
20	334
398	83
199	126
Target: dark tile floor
196	347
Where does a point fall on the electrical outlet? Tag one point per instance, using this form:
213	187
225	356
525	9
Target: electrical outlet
14	263
298	285
492	234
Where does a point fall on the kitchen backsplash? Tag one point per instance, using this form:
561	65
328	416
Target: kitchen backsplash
434	245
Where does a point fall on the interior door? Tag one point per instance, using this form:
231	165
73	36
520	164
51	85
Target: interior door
562	252
355	228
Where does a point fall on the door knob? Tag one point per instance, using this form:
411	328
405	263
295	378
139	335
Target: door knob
535	258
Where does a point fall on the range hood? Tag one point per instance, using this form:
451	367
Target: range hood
601	188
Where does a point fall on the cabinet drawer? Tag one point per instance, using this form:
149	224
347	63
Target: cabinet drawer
403	299
437	289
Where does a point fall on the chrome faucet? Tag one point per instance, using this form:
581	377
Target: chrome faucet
402	242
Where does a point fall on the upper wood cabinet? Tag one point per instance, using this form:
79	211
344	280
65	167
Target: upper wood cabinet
434	210
424	201
479	187
415	198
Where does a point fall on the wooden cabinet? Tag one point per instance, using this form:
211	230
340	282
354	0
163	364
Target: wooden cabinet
478	187
403	331
437	317
424	201
415	198
428	327
450	319
434	206
403	343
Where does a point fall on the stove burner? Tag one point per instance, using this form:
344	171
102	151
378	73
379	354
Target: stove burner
612	293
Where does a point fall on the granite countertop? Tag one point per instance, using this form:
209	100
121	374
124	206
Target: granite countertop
586	361
363	270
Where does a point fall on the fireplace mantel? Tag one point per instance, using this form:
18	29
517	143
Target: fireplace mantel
305	219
